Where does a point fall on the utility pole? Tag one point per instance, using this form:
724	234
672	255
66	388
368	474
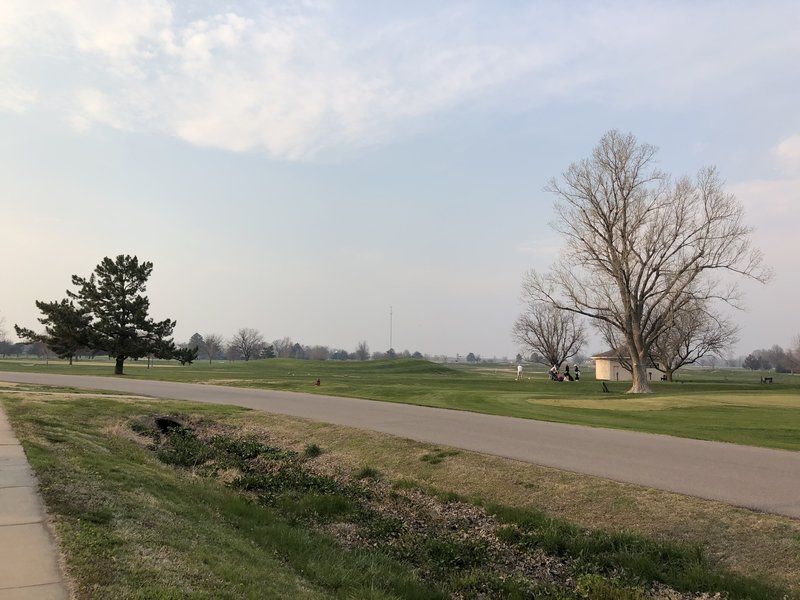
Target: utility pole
390	328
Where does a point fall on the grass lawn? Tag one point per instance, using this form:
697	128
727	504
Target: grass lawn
724	405
242	504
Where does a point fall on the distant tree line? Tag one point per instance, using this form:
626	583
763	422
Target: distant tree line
775	358
246	344
249	344
107	315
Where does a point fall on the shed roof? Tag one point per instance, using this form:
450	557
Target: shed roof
610	354
615	355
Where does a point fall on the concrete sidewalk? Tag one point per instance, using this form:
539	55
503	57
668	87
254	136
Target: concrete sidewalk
28	555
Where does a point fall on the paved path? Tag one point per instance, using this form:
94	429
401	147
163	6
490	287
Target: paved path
757	478
28	556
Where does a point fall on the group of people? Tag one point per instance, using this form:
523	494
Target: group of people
555	375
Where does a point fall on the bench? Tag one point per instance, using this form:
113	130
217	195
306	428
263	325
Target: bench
766	380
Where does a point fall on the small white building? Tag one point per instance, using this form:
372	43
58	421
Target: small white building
607	367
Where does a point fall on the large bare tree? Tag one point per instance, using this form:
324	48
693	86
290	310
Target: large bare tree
553	334
247	342
640	246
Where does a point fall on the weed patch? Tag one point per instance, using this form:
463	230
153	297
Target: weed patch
368	473
632	559
312	451
438	456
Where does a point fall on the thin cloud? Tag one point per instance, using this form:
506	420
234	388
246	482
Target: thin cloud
16	99
787	154
548	248
94	106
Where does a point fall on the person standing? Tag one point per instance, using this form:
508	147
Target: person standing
577	372
519	372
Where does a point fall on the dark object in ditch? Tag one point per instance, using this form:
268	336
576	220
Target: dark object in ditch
166	425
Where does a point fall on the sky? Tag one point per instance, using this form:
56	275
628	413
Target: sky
300	167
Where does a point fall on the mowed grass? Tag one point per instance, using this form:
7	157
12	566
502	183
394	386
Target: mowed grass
725	405
239	516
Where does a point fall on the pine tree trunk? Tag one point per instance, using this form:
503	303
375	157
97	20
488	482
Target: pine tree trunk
118	365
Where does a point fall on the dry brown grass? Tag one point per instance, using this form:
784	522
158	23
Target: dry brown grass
742	540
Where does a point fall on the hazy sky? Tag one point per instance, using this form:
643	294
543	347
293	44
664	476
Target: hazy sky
300	167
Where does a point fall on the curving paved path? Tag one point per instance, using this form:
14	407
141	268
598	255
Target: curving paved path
756	478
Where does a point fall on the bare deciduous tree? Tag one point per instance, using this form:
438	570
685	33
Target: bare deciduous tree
284	347
362	350
694	332
232	353
5	344
212	345
794	354
640	246
553	334
247	342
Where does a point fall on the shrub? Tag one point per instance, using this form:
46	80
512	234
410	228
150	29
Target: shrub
312	451
368	473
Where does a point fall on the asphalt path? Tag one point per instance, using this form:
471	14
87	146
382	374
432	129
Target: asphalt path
756	478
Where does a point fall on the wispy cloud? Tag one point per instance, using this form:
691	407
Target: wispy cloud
787	154
299	77
546	248
15	98
775	202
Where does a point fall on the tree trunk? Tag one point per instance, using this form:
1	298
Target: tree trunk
640	385
668	374
70	360
118	365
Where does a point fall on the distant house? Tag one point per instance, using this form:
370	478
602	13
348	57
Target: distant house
607	367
